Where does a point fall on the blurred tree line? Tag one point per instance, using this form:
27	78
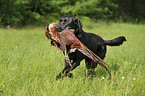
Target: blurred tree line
22	12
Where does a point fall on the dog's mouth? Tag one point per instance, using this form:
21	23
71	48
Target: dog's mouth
58	28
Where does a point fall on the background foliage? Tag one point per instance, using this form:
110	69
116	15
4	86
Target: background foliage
22	12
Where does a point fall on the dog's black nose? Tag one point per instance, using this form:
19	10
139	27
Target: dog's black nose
58	28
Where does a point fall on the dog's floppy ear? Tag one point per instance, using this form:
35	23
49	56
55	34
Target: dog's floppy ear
79	27
79	24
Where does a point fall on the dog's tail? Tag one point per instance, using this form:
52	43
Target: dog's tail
115	42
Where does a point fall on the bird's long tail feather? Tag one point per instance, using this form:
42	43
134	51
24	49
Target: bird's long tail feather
93	56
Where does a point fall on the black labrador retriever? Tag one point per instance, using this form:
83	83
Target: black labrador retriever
94	42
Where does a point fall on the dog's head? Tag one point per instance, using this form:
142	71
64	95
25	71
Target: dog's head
69	22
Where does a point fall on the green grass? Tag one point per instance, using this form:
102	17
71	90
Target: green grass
28	65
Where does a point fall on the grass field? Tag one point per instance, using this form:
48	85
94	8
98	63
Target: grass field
28	65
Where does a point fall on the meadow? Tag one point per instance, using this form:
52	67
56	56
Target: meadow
28	65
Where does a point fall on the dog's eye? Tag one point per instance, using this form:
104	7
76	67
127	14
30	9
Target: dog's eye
60	20
65	20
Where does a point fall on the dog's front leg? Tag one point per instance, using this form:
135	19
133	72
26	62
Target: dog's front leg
67	69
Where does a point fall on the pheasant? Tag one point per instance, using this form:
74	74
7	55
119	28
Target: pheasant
68	38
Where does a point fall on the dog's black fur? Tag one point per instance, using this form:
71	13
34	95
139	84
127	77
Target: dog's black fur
94	42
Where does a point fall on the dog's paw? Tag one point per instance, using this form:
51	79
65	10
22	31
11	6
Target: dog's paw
91	73
61	76
70	75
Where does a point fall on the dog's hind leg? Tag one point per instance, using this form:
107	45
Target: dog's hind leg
90	65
